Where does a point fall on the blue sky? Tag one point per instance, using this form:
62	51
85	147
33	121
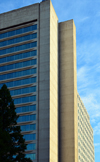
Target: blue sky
86	15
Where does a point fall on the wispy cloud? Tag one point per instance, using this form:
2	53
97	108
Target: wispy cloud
83	19
96	144
89	90
82	76
97	129
98	14
92	105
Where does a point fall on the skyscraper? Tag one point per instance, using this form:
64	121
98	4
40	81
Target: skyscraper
38	64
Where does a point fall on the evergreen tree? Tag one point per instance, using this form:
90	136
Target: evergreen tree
12	144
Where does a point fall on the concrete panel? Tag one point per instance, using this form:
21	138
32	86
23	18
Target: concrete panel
44	76
44	104
44	95
44	66
19	16
44	153
68	90
53	152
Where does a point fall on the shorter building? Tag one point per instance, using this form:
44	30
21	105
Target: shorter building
85	134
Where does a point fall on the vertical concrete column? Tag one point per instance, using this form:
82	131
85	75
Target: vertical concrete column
68	93
44	82
53	85
48	84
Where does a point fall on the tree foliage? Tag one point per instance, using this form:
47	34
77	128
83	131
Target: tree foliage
12	143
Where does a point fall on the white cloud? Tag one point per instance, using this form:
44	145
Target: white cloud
82	76
97	129
83	19
98	14
96	144
89	91
92	105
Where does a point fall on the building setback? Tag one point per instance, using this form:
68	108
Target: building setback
38	65
85	134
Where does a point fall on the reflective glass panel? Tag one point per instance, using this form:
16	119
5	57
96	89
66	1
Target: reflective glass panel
31	156
25	99
18	65
18	74
18	48
18	31
29	127
31	146
26	118
26	108
29	137
19	39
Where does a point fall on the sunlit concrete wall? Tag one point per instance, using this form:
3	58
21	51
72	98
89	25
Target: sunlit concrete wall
68	93
48	84
85	134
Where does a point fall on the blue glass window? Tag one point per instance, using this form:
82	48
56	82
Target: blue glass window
18	48
31	156
29	127
18	31
26	118
18	74
26	108
25	99
18	65
23	90
31	146
19	39
29	137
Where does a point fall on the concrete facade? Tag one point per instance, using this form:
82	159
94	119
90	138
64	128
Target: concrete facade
68	92
56	81
85	134
48	84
